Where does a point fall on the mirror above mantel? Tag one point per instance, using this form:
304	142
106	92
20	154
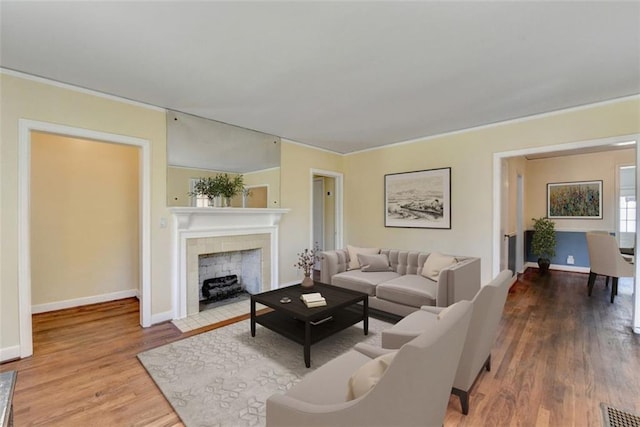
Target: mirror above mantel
199	147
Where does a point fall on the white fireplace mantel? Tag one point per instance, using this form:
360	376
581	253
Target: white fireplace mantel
197	218
194	223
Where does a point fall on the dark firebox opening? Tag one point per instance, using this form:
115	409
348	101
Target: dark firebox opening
221	288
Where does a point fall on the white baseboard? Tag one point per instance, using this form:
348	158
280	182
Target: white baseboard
9	353
161	317
78	302
572	268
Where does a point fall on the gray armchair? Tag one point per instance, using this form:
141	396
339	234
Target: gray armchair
413	391
488	305
605	259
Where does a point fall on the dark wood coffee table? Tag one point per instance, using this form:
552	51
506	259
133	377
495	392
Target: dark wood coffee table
295	321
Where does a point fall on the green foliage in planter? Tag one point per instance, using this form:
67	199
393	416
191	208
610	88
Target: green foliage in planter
220	185
230	186
206	187
543	244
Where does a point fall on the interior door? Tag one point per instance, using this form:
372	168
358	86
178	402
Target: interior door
318	213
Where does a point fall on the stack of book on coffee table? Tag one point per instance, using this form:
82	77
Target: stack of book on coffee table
313	300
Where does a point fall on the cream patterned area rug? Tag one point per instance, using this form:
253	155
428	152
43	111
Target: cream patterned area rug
224	377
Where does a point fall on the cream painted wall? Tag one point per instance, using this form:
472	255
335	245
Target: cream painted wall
470	155
84	218
295	185
584	167
22	98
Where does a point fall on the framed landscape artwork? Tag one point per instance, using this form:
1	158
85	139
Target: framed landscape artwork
574	200
420	199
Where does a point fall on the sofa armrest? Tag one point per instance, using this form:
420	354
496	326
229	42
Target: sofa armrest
431	309
461	281
332	263
371	350
284	410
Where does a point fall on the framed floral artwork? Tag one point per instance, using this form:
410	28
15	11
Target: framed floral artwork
574	200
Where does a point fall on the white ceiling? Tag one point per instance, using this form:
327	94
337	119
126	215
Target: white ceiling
344	76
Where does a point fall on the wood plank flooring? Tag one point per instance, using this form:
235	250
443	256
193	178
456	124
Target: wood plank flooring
558	355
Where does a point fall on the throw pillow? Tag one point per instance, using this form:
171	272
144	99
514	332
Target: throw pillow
368	375
353	255
372	263
434	263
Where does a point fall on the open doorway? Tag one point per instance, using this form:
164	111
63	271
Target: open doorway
326	210
26	130
501	184
85	227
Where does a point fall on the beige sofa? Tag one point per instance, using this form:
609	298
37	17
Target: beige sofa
411	388
403	288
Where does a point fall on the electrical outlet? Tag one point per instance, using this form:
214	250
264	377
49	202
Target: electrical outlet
570	260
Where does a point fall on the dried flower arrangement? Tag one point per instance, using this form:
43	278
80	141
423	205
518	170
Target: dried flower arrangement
307	259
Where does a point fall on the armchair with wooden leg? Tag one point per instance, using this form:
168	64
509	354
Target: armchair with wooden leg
606	260
488	305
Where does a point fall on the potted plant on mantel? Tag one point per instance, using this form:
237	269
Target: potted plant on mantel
543	243
206	187
230	186
222	185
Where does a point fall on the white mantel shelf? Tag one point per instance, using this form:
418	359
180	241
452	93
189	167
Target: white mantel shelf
190	218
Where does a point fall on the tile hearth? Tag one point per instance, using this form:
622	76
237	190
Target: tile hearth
218	314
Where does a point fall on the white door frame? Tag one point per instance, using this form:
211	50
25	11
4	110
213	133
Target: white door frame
24	227
497	188
338	205
519	224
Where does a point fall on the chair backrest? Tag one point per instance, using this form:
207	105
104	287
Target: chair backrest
488	305
415	388
605	257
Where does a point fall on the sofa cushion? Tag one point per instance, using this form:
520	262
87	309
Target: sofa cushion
362	281
353	255
435	263
411	289
374	263
329	383
368	375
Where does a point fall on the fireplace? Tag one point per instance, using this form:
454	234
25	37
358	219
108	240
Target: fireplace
205	231
229	277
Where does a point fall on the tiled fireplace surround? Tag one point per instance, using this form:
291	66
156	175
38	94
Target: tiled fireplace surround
201	231
221	244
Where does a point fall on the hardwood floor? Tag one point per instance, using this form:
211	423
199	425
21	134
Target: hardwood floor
558	355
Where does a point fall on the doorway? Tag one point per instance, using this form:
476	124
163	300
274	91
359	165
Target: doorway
498	188
26	127
326	209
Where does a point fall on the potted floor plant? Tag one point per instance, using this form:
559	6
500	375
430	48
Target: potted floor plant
543	243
